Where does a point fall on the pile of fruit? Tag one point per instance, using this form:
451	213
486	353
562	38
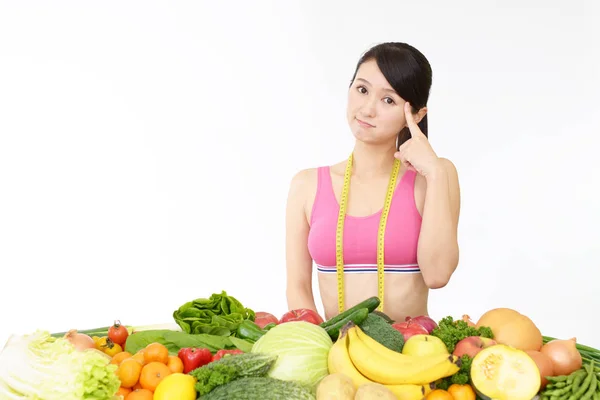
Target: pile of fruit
219	349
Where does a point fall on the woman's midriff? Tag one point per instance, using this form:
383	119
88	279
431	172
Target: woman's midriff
405	294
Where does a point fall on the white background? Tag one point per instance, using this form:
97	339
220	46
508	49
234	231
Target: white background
146	150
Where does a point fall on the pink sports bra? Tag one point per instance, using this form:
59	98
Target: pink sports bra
360	233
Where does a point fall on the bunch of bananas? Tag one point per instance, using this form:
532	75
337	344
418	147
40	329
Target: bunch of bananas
364	360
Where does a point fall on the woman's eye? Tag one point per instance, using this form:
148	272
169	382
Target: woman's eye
362	89
389	100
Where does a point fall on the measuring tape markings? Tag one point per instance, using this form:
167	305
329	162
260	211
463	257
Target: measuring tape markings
380	235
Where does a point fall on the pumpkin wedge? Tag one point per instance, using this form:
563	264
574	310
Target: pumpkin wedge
502	372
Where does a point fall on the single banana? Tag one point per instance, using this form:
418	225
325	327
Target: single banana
339	360
386	366
411	392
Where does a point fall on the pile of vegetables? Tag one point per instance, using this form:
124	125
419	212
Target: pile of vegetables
233	352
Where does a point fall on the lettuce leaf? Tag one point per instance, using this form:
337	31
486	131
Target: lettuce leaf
218	315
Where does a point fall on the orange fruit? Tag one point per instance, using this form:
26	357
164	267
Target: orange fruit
140	357
152	374
156	352
175	364
140	394
138	385
117	358
129	372
123	391
439	394
462	392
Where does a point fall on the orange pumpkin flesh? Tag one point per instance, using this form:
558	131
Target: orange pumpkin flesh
512	328
501	372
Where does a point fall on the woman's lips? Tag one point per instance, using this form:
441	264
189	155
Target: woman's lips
364	124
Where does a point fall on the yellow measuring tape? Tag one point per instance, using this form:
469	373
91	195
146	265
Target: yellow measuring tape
339	237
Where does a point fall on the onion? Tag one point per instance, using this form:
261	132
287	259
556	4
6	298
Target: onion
564	355
544	364
467	319
423	320
79	340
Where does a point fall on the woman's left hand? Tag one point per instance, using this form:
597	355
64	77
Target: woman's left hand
416	153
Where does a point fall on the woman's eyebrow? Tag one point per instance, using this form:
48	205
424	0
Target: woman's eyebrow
384	89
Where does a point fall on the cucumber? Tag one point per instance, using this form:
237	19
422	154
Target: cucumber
260	388
371	304
357	317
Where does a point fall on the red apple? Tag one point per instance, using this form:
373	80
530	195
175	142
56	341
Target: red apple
472	345
302	314
410	328
264	318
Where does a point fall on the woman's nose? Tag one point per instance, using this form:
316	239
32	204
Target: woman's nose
368	108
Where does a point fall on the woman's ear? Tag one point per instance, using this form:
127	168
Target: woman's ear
420	115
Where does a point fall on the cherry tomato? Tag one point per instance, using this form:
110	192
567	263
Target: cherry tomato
102	343
112	350
118	333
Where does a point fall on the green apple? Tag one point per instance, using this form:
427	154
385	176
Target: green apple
424	345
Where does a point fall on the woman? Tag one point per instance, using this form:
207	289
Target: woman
339	230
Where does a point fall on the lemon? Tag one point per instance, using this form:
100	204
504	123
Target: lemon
176	386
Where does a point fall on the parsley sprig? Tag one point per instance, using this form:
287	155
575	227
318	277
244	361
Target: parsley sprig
451	332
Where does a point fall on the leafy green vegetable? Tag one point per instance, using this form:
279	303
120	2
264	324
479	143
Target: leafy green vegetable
242	344
39	366
218	315
227	369
302	349
451	332
208	379
462	377
175	340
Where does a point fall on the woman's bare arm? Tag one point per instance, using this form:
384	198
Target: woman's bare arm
298	260
438	251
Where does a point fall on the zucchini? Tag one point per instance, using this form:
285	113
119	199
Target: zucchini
371	304
357	317
260	388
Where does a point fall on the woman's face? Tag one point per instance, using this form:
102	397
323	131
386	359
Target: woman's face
375	111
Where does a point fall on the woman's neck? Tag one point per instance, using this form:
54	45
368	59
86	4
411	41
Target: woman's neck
371	160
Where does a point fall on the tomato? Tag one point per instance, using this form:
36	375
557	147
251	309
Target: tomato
302	314
96	339
113	350
102	343
118	333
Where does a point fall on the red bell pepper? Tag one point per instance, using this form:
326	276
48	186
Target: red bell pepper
222	353
193	358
